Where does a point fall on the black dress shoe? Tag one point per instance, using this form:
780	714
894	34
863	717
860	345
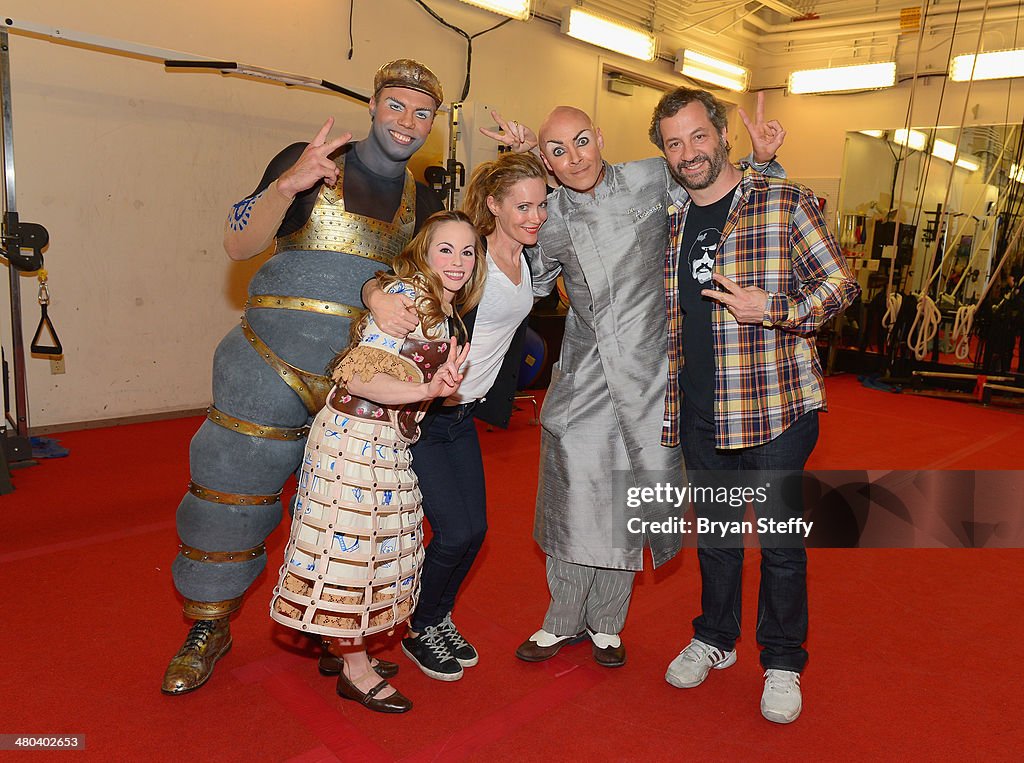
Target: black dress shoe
609	656
396	703
330	665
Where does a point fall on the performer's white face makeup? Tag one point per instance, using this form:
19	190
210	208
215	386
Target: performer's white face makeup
521	212
571	148
402	119
452	255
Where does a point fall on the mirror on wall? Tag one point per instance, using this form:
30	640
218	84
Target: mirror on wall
955	195
931	211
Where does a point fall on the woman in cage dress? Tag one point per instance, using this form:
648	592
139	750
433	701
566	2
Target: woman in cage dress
352	563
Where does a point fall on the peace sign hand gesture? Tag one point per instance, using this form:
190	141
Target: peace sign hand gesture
747	304
520	137
447	378
765	137
313	165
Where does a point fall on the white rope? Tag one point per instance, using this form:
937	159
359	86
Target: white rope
942	230
893	303
962	325
925	326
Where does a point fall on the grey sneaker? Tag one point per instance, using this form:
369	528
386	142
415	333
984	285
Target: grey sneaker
691	667
430	652
781	701
461	649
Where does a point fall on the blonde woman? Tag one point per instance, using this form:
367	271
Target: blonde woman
506	199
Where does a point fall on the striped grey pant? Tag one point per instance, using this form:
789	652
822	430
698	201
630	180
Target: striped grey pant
581	597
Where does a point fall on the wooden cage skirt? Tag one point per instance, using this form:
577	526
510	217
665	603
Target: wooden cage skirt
353	560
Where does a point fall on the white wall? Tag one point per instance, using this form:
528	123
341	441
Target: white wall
133	169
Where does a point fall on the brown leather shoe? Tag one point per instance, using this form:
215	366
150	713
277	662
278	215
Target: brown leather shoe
609	656
330	665
396	703
531	651
192	666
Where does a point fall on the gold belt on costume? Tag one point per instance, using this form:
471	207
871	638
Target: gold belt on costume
321	306
232	499
252	429
198	555
311	388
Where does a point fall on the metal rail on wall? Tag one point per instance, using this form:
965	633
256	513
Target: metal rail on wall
16	447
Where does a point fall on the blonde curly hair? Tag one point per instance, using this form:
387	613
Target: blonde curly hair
412	266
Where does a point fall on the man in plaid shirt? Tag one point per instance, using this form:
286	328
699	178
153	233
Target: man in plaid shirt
751	273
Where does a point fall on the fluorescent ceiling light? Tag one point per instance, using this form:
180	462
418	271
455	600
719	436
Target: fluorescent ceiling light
840	78
914	139
702	67
609	34
1017	173
517	9
998	64
872	133
946	150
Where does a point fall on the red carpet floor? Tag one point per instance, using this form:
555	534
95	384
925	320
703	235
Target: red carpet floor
914	653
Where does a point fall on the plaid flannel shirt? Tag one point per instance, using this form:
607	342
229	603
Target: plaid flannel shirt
766	375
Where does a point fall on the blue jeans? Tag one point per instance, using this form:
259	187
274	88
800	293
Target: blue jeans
450	472
782	599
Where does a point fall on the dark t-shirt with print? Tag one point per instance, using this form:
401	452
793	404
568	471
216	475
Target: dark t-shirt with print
702	234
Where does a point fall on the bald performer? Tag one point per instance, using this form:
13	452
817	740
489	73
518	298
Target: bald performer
606	235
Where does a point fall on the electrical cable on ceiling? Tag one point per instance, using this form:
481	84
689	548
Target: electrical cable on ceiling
351	43
469	42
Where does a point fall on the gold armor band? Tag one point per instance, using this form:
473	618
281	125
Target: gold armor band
310	387
198	555
211	610
255	430
232	499
301	303
333	228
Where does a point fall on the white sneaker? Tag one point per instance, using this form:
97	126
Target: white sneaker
781	701
692	665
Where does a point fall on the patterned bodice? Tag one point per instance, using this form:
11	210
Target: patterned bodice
426	355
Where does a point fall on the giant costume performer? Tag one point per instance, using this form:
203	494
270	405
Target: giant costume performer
339	213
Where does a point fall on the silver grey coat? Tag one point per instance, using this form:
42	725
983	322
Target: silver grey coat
602	414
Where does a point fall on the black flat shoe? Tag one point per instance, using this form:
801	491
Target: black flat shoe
329	665
396	703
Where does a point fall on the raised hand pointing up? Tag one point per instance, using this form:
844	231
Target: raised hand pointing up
766	136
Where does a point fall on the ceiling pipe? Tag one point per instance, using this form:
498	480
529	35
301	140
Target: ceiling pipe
826	23
933	22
